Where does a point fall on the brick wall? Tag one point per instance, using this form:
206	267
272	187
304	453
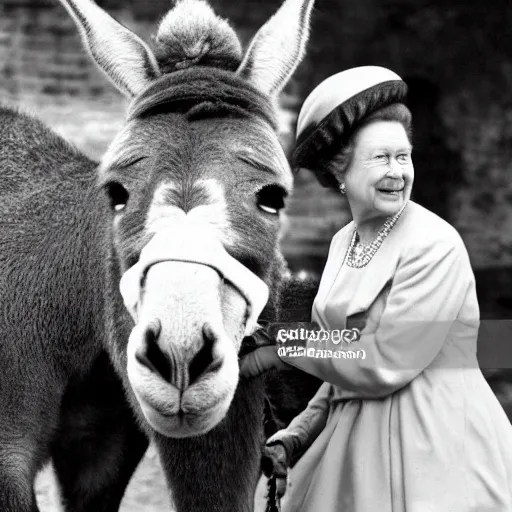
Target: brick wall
458	60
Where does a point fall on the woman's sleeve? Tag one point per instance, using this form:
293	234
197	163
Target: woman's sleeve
427	293
298	436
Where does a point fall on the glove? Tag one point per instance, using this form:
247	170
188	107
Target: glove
280	462
263	356
261	360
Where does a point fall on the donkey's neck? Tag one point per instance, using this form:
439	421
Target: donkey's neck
219	471
48	196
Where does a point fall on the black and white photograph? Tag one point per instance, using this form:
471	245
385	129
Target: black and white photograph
255	256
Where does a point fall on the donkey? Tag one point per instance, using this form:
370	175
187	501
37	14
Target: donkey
128	286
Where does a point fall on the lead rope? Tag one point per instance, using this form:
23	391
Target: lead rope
273	501
249	344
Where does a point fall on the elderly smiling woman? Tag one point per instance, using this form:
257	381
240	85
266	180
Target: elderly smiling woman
413	426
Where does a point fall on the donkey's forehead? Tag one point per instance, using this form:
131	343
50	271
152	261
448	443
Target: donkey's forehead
138	139
174	144
260	148
206	204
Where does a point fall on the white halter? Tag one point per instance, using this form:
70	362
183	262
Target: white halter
186	239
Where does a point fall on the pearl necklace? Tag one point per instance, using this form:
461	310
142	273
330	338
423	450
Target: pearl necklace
359	255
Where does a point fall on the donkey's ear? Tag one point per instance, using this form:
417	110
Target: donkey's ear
278	47
122	55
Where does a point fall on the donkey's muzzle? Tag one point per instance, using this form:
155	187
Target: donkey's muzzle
192	303
167	364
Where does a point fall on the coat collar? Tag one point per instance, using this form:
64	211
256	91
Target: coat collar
382	267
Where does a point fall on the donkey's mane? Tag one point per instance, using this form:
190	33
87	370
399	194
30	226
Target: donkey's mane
201	92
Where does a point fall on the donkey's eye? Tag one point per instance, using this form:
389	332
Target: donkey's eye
117	195
271	198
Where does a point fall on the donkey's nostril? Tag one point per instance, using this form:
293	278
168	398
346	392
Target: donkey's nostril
150	354
163	364
203	360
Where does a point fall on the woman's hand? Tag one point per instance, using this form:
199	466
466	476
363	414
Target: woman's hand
261	360
263	357
276	453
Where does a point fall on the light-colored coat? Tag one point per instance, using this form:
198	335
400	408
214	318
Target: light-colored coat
412	427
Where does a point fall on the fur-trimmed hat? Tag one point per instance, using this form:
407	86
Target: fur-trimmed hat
332	112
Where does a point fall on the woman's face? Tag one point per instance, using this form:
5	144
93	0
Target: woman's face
379	179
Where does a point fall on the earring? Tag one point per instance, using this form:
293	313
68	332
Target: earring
342	189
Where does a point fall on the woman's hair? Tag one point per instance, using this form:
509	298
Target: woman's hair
338	164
